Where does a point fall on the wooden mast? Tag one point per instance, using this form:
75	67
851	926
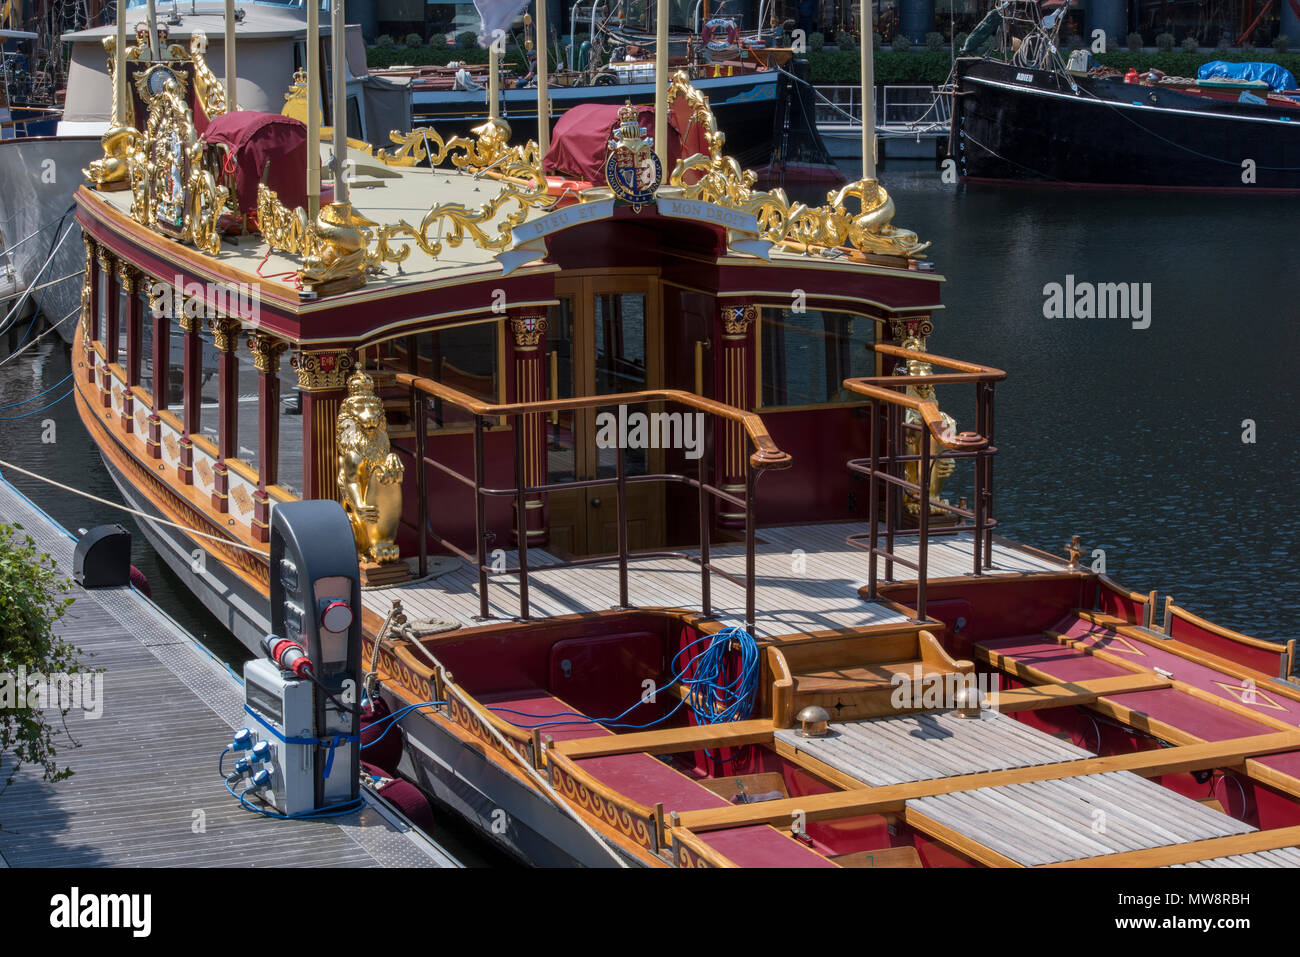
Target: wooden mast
339	109
543	47
119	66
232	102
154	52
494	80
313	109
661	83
868	95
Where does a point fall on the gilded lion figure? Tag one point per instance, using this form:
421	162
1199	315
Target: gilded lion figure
370	474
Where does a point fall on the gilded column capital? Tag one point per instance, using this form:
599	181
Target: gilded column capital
323	369
128	276
911	327
106	259
737	320
225	332
529	330
266	351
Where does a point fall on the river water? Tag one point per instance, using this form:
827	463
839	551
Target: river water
1130	437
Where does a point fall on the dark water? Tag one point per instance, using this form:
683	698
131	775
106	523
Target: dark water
1132	438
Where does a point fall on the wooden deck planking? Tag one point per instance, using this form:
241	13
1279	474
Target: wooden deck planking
807	578
145	772
1041	822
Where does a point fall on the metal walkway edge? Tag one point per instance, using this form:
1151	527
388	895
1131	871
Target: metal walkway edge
145	789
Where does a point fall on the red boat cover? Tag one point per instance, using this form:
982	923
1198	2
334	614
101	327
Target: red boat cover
580	141
255	140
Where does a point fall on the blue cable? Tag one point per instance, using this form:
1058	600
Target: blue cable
39	411
400	712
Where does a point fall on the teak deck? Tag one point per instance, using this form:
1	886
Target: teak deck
806	579
145	789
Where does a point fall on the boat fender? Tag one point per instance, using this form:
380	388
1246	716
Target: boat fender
403	795
388	752
140	582
1131	76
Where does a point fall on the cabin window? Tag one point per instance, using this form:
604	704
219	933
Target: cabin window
560	449
146	346
248	409
464	358
101	311
807	355
620	341
289	460
209	391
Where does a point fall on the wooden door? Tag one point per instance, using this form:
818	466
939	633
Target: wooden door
604	338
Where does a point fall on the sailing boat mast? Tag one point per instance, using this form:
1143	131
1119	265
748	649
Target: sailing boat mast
543	48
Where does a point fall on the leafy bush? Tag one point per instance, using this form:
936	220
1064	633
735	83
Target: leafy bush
467	39
961	40
414	40
1282	44
935	42
902	43
1134	42
844	40
1190	45
875	40
378	59
438	42
816	42
1164	42
31	601
384	41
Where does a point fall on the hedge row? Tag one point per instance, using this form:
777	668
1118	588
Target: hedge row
842	66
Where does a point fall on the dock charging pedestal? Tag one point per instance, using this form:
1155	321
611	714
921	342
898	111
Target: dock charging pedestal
313	730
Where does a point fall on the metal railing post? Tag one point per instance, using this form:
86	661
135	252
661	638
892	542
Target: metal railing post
873	499
521	516
706	594
621	458
923	521
988	479
480	519
422	477
749	547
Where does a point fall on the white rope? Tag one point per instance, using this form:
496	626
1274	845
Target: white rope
519	758
41	336
10	319
132	511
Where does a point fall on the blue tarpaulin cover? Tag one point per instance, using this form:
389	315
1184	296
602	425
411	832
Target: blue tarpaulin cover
1272	74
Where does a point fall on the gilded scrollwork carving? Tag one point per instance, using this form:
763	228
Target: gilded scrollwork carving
717	178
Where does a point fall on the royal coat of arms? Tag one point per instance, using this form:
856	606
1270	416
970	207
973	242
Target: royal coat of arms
632	170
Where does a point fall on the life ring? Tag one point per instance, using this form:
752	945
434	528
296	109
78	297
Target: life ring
713	27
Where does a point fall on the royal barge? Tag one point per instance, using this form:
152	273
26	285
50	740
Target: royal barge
671	555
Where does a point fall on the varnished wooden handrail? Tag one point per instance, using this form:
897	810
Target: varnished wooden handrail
766	453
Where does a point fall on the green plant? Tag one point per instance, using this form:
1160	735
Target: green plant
961	40
1190	45
31	601
438	42
1164	42
384	41
816	42
467	39
935	42
901	43
875	40
844	40
414	40
1282	44
1134	42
